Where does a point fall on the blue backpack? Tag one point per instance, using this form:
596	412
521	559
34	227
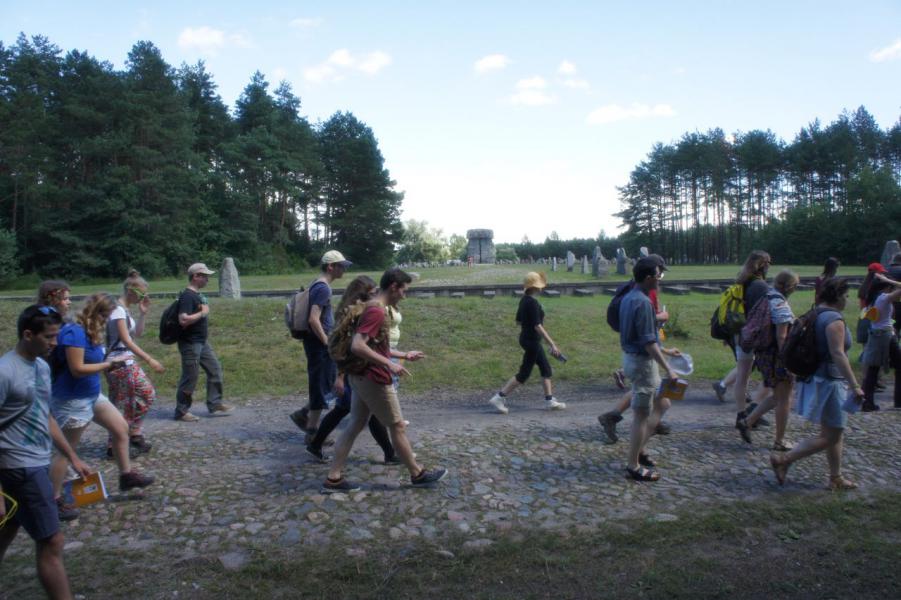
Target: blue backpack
613	308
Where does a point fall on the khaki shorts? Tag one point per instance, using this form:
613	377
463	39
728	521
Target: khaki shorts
644	374
380	400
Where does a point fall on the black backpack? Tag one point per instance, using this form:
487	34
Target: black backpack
718	331
170	329
613	308
799	353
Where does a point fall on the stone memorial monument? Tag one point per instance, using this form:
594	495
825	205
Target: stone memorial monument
891	249
481	246
621	260
570	261
584	265
643	252
229	283
553	264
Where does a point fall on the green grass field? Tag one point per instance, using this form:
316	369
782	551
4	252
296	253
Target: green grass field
470	343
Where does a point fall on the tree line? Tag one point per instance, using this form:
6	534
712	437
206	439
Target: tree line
832	191
146	167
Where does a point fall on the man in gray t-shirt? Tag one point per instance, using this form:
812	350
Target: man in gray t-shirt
27	430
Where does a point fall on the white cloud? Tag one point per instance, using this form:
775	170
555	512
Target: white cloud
536	82
532	97
306	23
566	68
890	52
576	84
210	41
614	112
492	62
343	61
679	71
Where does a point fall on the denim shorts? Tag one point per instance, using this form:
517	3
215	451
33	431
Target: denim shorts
75	413
33	492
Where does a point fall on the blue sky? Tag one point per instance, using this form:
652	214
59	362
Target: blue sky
522	117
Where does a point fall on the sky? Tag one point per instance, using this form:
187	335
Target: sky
520	117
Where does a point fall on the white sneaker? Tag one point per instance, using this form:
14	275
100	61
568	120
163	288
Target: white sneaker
498	403
552	404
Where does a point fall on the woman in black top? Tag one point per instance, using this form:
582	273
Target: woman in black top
530	316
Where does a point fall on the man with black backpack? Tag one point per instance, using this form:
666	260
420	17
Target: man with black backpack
196	352
321	371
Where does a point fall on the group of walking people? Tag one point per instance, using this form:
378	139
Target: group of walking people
50	384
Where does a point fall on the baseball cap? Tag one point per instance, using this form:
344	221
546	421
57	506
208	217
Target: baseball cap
876	268
199	268
333	256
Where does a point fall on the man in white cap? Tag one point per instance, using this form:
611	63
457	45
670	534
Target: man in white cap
321	371
196	352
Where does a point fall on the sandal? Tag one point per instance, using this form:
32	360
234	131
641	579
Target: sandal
781	447
780	469
643	474
839	483
646	461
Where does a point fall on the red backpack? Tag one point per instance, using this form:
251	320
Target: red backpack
757	333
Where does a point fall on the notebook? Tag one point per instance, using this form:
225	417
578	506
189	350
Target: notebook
674	389
87	490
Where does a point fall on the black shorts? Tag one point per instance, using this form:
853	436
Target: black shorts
33	492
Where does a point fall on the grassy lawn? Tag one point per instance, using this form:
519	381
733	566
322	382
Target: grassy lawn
795	546
478	275
471	343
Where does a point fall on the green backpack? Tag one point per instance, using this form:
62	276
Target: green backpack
731	314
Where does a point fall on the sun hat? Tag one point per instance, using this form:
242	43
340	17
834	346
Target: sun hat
682	365
534	280
199	268
334	257
876	268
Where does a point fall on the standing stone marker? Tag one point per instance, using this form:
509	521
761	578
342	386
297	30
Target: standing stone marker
584	265
570	261
891	248
229	283
643	252
481	246
553	263
621	259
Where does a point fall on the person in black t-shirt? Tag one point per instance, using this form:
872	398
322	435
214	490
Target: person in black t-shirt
196	352
530	316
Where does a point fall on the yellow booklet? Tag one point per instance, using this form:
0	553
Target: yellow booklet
88	490
873	313
674	389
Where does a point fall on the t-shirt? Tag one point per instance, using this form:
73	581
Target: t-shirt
637	325
754	291
780	309
824	319
116	347
67	386
529	315
321	296
371	326
23	383
189	303
394	321
886	312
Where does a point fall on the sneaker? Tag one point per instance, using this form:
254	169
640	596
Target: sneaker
186	418
554	404
133	479
663	428
316	453
221	410
342	486
720	391
742	425
608	423
394	459
427	478
619	378
300	418
67	512
497	401
138	442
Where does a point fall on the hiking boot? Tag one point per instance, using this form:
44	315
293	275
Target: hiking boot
742	425
394	459
608	423
497	401
554	404
342	486
720	391
619	378
133	453
663	428
316	453
186	418
428	477
869	407
221	410
138	442
133	479
67	512
299	417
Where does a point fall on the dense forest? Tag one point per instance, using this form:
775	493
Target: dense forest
833	191
102	169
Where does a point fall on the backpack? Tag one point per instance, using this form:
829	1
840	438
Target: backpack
170	328
757	334
297	313
718	331
731	312
613	307
341	338
799	353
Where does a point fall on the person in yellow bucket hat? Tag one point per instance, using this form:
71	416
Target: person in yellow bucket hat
530	317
